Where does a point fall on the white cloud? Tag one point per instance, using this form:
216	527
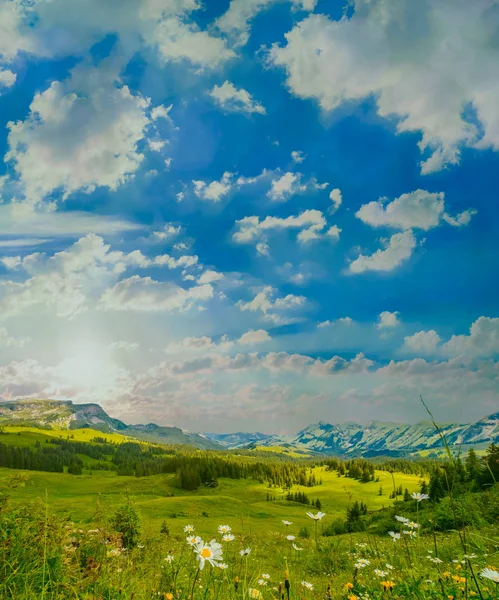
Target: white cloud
425	342
177	40
336	198
81	133
144	294
286	186
216	190
483	339
341	321
417	210
237	19
251	337
388	320
210	276
9	341
298	156
290	184
7	78
167	233
397	249
69	280
236	100
57	224
310	225
271	307
413	59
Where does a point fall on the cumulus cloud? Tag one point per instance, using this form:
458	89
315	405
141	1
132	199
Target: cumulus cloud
7	78
210	276
230	98
298	156
483	339
413	60
236	21
68	280
80	134
341	321
424	342
216	190
397	249
252	337
311	225
417	210
336	198
290	184
175	40
144	294
273	308
388	320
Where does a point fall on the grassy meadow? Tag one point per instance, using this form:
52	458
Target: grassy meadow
60	537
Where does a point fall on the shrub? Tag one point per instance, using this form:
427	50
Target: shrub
126	521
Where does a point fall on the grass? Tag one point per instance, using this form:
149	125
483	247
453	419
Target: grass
56	542
75	496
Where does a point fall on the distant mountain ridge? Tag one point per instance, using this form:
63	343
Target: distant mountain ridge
56	414
377	437
346	439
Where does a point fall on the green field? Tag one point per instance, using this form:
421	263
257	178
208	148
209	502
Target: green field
56	527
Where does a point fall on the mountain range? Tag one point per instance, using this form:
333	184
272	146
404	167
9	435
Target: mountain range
348	439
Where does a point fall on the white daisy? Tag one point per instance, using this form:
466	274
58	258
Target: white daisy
401	519
169	558
245	552
307	585
419	497
316	517
211	552
223	529
394	536
290	537
297	548
189	529
228	538
287	523
490	574
192	540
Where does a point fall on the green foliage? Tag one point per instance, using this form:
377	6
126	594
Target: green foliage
126	521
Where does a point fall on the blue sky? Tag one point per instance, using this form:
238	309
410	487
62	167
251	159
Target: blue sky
252	214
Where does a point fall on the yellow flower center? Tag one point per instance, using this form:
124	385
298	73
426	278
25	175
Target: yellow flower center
206	553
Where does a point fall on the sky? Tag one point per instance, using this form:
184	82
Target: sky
251	215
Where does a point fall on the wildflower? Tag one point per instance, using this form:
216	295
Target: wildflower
401	519
287	523
413	525
389	566
192	540
361	563
169	558
469	556
189	529
169	596
223	566
265	576
491	574
245	552
387	585
353	597
262	582
381	573
223	529
348	586
297	548
290	537
307	585
316	517
434	559
228	538
410	533
446	574
394	536
211	552
419	497
253	593
140	546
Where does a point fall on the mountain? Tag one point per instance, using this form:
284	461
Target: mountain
239	439
346	439
379	438
55	414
